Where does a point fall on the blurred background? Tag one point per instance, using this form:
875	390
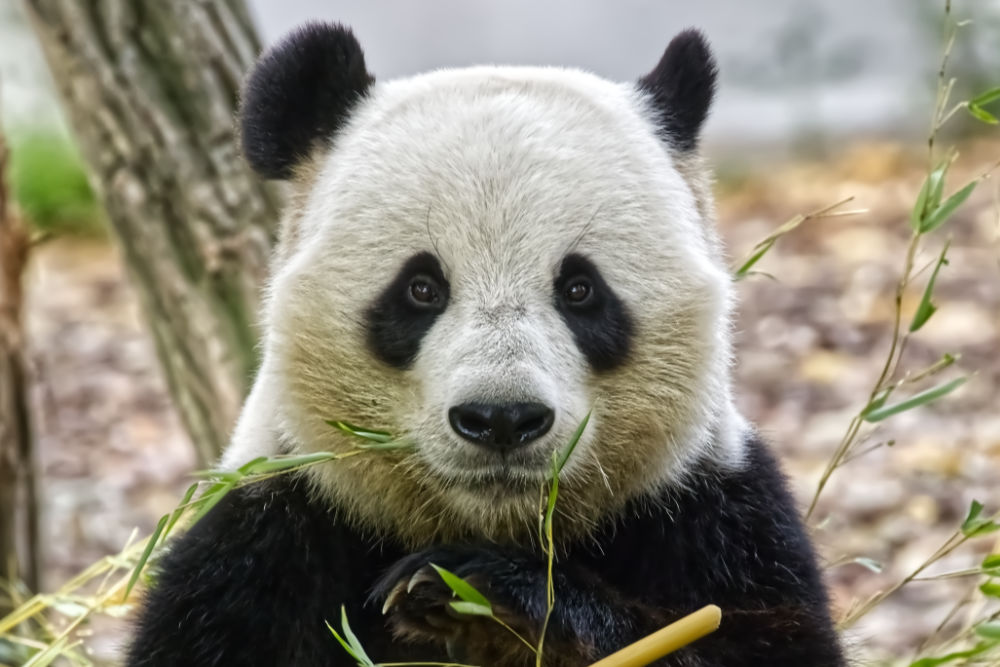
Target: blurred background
818	101
795	74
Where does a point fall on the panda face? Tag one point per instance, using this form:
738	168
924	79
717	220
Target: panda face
501	379
476	260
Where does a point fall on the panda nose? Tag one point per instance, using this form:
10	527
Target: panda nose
501	427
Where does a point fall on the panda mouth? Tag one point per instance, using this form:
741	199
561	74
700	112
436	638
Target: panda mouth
502	483
499	481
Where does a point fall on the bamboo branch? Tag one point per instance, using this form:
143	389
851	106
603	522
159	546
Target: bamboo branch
675	636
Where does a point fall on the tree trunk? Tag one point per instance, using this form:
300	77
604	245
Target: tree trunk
18	506
150	88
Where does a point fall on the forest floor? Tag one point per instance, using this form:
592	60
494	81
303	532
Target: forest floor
812	340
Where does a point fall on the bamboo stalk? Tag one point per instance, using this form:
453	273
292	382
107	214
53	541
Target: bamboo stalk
666	640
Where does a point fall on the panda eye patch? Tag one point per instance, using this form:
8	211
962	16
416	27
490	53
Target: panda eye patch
404	312
597	318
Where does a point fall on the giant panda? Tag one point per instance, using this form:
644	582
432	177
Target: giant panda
474	260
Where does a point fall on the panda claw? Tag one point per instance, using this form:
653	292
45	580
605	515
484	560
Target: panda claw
422	576
394	595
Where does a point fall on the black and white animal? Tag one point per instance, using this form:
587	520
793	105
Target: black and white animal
473	260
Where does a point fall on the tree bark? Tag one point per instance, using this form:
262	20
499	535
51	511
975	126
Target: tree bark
18	503
150	88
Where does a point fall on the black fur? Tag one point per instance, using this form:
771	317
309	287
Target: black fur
681	87
253	583
299	94
601	326
396	324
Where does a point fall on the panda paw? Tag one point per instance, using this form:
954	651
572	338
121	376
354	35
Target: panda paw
417	601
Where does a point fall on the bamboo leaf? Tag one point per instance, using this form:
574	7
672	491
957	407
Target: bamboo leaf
146	553
181	506
568	450
218	475
471	608
929	196
986	98
48	655
463	589
922	398
869	563
211	498
765	244
343	642
877	402
978	649
981	114
920	205
937	186
971	519
550	507
248	467
755	257
277	464
975	524
941	214
352	639
558	463
927	308
991	565
363	433
989	631
991	589
361	658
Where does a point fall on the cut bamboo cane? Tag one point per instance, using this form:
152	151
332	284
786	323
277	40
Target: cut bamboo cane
666	640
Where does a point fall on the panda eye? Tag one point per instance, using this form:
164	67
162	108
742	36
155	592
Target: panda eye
424	291
597	318
578	292
401	315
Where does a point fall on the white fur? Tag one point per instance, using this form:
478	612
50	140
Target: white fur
499	172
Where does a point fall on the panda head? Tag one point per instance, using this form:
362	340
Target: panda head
474	260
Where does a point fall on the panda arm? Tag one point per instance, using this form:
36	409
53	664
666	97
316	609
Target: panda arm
252	584
587	618
732	539
590	619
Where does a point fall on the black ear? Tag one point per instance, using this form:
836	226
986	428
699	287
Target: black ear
299	93
681	86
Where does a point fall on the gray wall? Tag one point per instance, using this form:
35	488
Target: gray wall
793	71
790	68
